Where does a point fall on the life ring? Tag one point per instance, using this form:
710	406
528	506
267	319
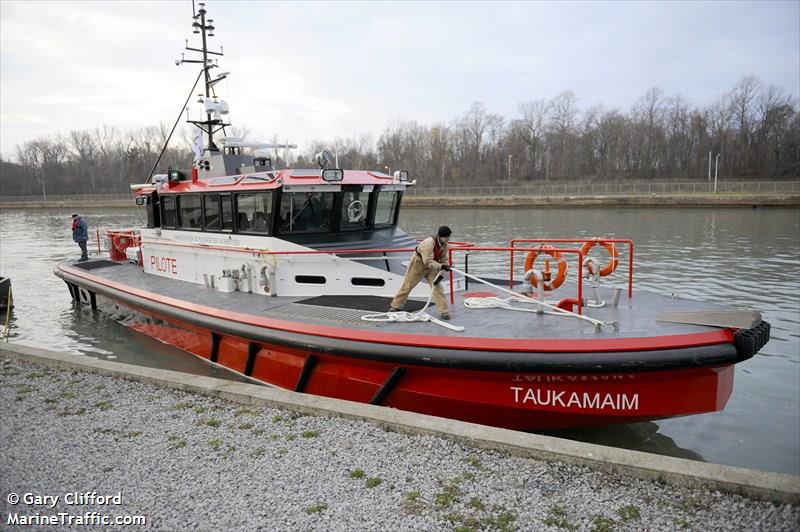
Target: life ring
562	267
613	254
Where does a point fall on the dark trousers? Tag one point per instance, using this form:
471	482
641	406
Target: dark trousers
84	251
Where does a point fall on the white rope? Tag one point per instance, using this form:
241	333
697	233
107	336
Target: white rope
402	316
499	302
597	323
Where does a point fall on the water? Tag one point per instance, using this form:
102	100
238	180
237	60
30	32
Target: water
745	258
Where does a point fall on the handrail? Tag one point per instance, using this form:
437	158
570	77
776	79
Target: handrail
256	251
511	249
454	243
627	241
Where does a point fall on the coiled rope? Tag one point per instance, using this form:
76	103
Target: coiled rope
499	302
598	324
481	303
402	316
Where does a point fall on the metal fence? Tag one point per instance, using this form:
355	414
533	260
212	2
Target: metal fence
68	197
559	189
614	189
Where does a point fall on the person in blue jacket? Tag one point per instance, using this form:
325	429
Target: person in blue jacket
80	234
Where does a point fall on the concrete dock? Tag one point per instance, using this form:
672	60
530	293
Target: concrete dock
198	453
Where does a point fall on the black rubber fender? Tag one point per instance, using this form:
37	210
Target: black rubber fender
748	342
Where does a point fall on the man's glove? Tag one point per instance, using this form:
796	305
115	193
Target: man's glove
445	267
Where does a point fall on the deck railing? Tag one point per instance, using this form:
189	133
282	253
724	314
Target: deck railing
456	247
611	189
511	250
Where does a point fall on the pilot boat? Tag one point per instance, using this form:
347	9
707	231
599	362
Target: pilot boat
286	275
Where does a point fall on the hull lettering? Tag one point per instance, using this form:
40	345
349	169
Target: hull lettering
579	400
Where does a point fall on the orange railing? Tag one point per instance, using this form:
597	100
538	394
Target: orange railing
456	247
511	250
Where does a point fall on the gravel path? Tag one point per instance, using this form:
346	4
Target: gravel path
190	462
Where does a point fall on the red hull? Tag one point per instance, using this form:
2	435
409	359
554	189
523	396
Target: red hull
521	401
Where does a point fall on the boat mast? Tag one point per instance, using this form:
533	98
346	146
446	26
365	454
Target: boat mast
205	27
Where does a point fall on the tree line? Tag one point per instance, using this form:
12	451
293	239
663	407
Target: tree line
752	132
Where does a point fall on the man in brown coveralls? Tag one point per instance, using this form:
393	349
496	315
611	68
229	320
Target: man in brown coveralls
428	260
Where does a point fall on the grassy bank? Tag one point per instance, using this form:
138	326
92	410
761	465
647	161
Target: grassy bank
627	200
649	200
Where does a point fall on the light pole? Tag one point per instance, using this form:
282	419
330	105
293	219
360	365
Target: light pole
709	167
716	171
444	156
44	189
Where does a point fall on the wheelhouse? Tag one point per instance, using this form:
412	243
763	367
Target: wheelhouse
281	204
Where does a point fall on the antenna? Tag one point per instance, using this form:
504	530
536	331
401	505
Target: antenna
211	124
205	28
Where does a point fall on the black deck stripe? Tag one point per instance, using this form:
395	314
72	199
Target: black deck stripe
305	373
215	339
387	386
252	350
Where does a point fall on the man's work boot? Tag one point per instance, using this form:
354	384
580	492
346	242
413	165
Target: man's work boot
446	316
392	309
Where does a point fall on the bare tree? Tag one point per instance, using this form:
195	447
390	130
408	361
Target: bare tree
755	129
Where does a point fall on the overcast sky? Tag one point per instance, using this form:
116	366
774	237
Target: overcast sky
306	71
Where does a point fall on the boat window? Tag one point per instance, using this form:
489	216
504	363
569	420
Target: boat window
306	212
309	279
191	215
227	180
367	281
168	217
354	210
253	212
211	212
265	178
386	208
227	212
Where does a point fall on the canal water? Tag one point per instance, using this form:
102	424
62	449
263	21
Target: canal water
741	257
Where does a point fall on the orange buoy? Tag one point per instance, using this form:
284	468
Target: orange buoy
547	283
613	254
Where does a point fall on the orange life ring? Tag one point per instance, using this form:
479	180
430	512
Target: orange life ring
562	267
613	254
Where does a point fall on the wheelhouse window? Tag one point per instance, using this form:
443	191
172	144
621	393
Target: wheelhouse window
168	214
211	212
386	208
354	210
306	212
217	212
254	212
226	208
190	214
